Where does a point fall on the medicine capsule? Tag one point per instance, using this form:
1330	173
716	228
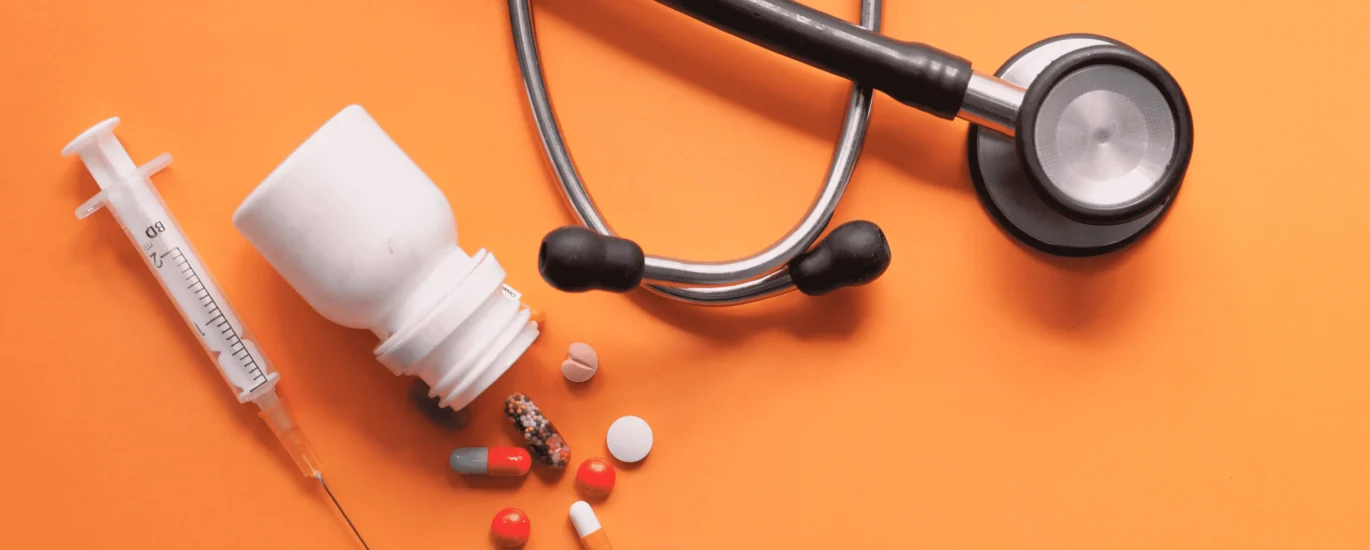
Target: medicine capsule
490	461
544	442
587	526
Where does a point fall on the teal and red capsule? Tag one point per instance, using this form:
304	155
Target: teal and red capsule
490	461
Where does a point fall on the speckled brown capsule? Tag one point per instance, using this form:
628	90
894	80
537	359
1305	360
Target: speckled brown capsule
543	441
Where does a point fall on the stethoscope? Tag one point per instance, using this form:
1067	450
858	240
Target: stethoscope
1078	146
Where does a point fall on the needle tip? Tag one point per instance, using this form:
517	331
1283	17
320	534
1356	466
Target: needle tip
319	476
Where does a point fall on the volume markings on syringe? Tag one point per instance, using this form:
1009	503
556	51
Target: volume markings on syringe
217	320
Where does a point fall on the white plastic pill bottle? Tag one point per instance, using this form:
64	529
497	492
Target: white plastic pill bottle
359	231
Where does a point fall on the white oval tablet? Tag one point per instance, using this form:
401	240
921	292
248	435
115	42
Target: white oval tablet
630	439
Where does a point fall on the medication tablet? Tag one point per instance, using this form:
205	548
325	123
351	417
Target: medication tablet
581	363
510	529
630	439
595	477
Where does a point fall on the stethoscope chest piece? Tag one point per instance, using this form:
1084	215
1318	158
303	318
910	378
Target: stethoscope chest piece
1103	140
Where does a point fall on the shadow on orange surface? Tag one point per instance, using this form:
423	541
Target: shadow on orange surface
1073	294
486	483
579	389
832	316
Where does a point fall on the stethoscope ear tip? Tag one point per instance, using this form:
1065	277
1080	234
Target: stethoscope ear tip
577	259
853	254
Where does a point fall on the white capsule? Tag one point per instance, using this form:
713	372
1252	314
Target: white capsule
591	534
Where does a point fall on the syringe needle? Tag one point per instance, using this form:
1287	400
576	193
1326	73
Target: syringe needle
340	510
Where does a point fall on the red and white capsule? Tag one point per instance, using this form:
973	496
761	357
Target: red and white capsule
587	526
490	461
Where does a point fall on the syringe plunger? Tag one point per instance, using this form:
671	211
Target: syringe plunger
102	154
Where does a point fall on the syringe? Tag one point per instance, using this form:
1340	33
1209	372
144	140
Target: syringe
127	191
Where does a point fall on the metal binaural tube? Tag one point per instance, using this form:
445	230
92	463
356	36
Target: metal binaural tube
705	283
675	272
774	283
992	103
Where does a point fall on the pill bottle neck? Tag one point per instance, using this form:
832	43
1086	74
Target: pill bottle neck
458	329
443	274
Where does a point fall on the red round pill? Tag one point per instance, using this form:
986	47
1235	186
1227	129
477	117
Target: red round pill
595	477
510	528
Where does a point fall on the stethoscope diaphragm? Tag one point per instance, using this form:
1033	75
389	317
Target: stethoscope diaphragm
1102	144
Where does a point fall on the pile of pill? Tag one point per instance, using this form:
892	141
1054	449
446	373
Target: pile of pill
629	440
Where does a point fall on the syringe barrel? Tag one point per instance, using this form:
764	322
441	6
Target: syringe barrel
134	202
186	280
149	225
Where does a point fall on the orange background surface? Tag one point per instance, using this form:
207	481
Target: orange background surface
1207	388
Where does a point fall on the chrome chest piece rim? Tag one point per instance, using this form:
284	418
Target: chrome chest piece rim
1025	209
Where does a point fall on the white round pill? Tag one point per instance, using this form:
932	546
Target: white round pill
630	439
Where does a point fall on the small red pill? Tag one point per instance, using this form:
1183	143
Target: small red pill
510	528
595	477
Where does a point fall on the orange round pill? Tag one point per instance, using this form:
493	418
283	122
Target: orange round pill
595	477
510	528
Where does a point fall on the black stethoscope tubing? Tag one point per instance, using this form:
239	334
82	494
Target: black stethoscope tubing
914	74
946	86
